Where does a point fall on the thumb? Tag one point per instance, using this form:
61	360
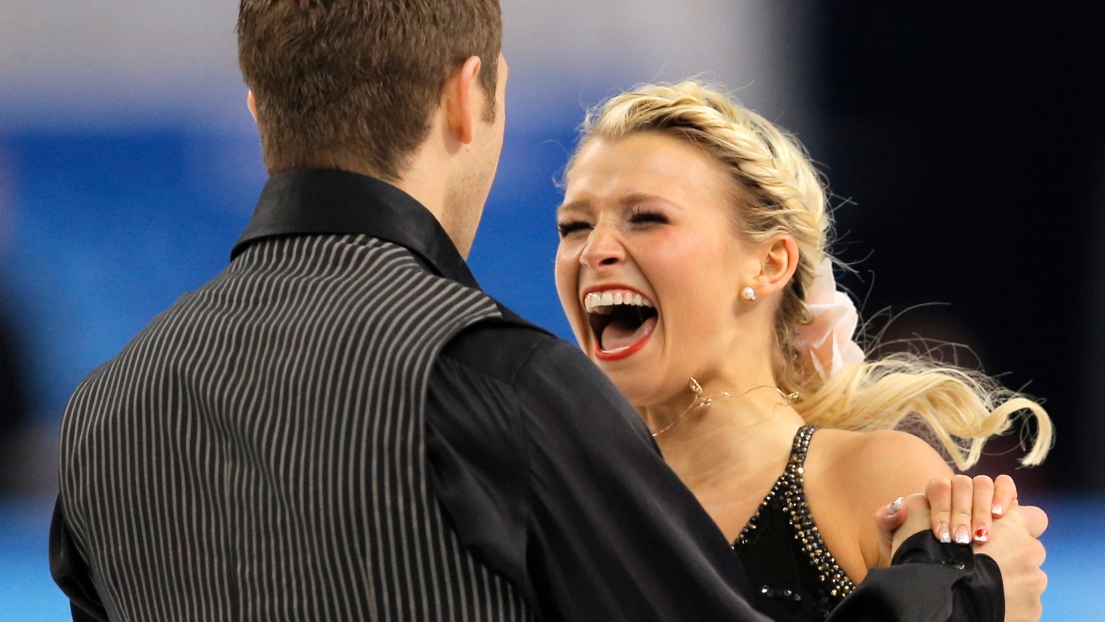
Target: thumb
888	519
1035	519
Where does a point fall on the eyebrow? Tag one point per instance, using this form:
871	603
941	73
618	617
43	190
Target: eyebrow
626	201
574	205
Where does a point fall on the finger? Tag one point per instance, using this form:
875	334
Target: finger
891	516
1032	553
916	511
983	507
888	519
1035	519
938	492
962	508
1005	495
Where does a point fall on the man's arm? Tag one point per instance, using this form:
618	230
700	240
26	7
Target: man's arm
1013	548
71	573
928	580
595	525
565	492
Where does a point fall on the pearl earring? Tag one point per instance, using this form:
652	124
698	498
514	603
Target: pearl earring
748	294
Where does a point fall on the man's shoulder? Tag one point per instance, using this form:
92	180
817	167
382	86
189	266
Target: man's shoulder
501	347
532	362
549	379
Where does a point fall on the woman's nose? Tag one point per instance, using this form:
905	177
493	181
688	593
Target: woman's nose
603	249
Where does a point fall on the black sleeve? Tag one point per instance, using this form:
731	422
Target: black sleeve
71	573
553	480
928	581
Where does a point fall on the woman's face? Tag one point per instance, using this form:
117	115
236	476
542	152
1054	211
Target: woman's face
649	268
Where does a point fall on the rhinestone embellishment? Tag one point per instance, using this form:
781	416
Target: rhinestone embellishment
790	487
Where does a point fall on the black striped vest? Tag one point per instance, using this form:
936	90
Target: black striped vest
257	452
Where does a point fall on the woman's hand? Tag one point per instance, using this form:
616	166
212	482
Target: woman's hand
963	509
959	509
899	520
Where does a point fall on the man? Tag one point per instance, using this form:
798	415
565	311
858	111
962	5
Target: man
342	426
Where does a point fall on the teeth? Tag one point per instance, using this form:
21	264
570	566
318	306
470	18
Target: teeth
602	303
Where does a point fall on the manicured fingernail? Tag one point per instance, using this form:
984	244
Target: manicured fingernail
894	507
981	535
945	535
998	510
962	536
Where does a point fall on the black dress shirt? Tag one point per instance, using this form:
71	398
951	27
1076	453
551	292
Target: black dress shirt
545	473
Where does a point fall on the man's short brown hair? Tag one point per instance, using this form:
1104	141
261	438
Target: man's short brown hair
351	83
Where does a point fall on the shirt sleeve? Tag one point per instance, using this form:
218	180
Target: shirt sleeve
928	581
71	573
553	480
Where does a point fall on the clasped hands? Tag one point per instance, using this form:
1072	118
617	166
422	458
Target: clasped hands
984	514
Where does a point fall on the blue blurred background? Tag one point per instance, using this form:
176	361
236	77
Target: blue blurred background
965	146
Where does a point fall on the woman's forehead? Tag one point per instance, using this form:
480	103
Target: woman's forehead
643	163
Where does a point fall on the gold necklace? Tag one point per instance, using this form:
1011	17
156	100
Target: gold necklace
702	403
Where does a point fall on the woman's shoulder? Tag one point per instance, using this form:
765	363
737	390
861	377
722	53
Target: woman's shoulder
879	461
856	473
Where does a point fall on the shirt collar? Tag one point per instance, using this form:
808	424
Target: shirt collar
325	201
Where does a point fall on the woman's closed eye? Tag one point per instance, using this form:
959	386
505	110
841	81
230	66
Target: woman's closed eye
644	216
569	227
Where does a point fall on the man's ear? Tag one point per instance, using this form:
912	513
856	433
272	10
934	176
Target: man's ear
778	263
463	100
251	103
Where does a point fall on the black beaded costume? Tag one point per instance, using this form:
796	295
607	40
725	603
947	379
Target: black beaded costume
793	574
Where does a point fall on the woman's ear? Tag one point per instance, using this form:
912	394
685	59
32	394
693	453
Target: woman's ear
778	263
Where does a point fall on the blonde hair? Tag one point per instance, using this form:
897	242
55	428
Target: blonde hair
776	190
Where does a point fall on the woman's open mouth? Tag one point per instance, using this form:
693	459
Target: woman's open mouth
622	321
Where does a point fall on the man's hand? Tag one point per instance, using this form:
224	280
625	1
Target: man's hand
1013	540
1015	546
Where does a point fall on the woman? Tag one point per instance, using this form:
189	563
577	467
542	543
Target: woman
693	270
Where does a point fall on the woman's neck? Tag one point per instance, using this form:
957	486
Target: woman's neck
733	439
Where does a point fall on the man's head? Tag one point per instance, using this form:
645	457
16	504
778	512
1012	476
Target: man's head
351	84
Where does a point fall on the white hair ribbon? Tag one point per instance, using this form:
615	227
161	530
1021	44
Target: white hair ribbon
827	340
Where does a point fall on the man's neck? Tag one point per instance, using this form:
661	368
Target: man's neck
432	191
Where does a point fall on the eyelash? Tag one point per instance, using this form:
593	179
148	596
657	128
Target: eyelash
571	226
642	216
639	216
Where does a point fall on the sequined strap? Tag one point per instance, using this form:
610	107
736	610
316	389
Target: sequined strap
794	468
790	487
799	448
805	530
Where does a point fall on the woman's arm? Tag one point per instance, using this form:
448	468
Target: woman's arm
897	464
856	474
